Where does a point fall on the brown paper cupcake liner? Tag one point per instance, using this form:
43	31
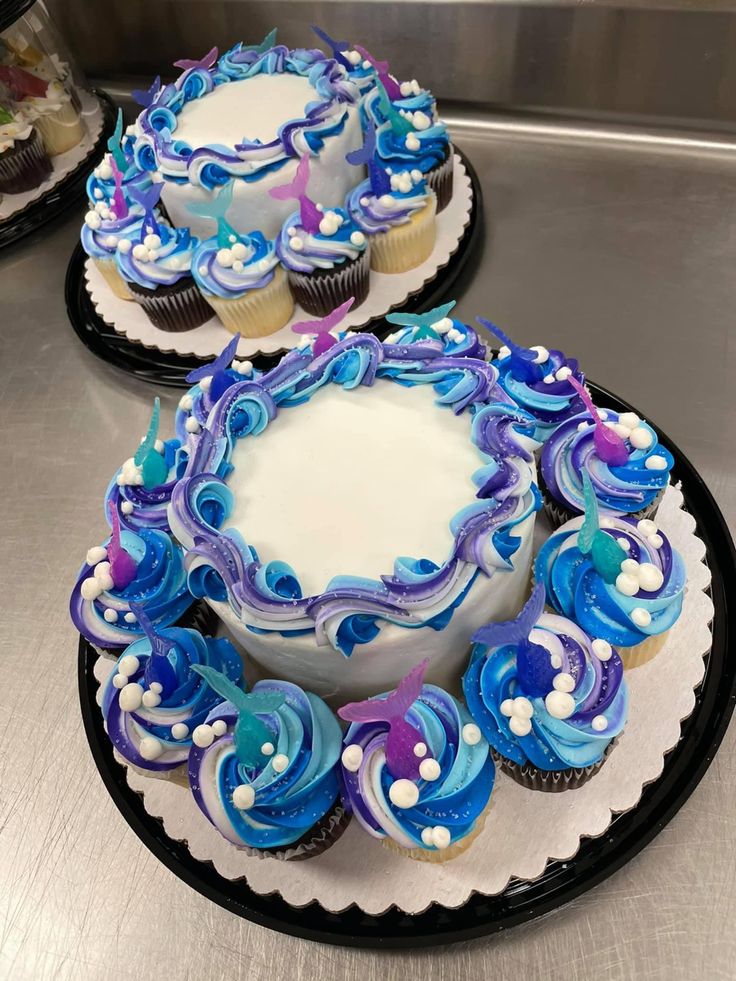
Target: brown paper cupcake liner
173	308
317	840
550	781
320	292
440	180
25	166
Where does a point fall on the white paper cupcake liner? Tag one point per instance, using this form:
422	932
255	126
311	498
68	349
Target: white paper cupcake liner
524	829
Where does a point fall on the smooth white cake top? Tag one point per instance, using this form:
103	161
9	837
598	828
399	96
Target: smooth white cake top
252	108
349	481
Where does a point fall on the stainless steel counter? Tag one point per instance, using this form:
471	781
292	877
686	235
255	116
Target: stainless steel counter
618	251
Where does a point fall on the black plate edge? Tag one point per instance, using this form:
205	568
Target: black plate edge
159	368
522	901
67	193
13	10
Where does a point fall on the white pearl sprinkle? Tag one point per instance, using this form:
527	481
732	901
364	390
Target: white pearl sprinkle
650	577
111	616
630	567
244	797
239	250
555	661
428	836
268	749
629	419
203	736
128	665
130	617
656	541
641	617
357	238
520	726
429	770
280	762
156	686
403	793
420	749
550	380
563	373
523	707
127	507
119	681
623	543
224	258
471	734
560	704
655	462
542	354
641	438
151	699
352	757
599	723
219	727
627	584
131	697
180	730
191	425
440	837
646	526
563	682
98	554
602	649
186	402
124	245
296	243
150	748
623	431
205	383
90	589
507	706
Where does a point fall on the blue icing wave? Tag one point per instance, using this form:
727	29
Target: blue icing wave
246	264
319	250
161	265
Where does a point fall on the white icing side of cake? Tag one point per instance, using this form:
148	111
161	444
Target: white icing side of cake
384	661
252	208
346	483
253	108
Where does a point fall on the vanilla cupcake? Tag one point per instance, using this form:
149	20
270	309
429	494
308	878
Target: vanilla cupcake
56	119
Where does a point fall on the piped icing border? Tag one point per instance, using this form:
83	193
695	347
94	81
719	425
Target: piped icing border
156	146
267	597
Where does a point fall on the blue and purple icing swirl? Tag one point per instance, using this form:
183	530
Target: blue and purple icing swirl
641	599
268	787
436	331
101	182
102	231
155	705
424	147
101	610
162	258
247	264
625	488
146	507
379	213
415	767
157	146
269	597
544	692
339	240
548	395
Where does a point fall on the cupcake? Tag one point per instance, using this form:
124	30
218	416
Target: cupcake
266	774
157	270
104	181
622	581
108	223
629	469
396	212
55	116
537	380
416	770
155	705
548	698
239	275
24	163
141	489
435	329
209	383
325	254
143	568
409	137
360	70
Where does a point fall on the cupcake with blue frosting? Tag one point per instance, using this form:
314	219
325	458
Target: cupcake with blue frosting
437	331
537	380
549	698
416	770
158	270
104	180
155	704
629	469
268	778
325	254
240	275
619	578
395	210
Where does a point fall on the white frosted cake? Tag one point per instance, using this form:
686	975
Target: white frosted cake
353	512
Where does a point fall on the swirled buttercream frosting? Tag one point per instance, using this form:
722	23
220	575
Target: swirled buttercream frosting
415	767
337	241
379	213
622	582
266	595
269	775
102	230
160	258
543	692
154	703
246	264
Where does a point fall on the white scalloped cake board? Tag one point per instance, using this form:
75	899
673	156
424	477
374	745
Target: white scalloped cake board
524	830
64	163
386	293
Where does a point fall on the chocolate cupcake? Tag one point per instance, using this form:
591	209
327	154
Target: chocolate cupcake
24	162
